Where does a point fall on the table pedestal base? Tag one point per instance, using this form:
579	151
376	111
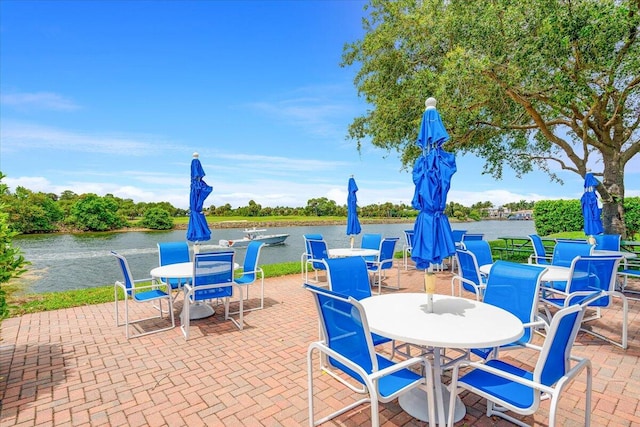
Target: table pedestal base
200	310
415	403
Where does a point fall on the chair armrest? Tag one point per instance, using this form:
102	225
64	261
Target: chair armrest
571	373
478	289
399	366
536	323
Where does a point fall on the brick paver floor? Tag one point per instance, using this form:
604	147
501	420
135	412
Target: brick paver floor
75	367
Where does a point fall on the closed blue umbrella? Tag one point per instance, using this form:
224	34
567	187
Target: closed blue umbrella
432	172
198	229
353	224
590	210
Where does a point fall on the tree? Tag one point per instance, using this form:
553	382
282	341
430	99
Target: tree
12	262
94	213
157	219
542	83
31	212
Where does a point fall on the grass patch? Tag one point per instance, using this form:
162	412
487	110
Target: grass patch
34	303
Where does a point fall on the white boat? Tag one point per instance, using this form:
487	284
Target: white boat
251	234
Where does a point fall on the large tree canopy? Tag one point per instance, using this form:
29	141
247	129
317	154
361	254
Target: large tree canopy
541	83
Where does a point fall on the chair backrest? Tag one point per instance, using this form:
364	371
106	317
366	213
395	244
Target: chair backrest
480	249
387	248
408	238
251	258
308	237
607	242
468	268
173	252
472	236
348	276
515	287
593	273
345	328
538	247
457	235
371	241
212	268
318	251
126	272
564	252
554	360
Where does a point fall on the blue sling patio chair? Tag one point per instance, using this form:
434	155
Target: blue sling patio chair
349	276
173	253
348	347
564	252
590	273
212	279
407	247
480	249
137	293
307	251
371	241
468	276
457	236
539	255
384	262
472	236
318	251
250	273
607	242
509	387
515	288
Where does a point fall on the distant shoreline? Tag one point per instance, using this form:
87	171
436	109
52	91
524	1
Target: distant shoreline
242	224
270	224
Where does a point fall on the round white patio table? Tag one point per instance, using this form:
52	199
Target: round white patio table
183	271
347	252
554	273
454	323
624	254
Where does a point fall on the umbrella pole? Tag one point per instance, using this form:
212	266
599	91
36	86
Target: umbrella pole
351	241
429	287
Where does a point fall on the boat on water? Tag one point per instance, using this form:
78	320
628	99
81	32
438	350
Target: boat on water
251	234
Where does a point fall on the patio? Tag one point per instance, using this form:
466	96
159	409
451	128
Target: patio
75	367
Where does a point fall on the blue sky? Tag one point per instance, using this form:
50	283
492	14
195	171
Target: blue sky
115	96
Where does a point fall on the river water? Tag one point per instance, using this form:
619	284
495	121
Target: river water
77	261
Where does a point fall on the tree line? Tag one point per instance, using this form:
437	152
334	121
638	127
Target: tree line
31	212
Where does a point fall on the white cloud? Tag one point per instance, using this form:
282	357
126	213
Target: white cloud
38	100
19	135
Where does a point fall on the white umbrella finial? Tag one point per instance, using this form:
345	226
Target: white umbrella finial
430	103
195	155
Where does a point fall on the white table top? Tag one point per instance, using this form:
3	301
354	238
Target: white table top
455	322
347	252
624	254
554	273
181	270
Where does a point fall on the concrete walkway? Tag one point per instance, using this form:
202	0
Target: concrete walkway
75	367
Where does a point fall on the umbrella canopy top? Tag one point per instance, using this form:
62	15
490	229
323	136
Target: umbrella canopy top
196	168
590	182
432	132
